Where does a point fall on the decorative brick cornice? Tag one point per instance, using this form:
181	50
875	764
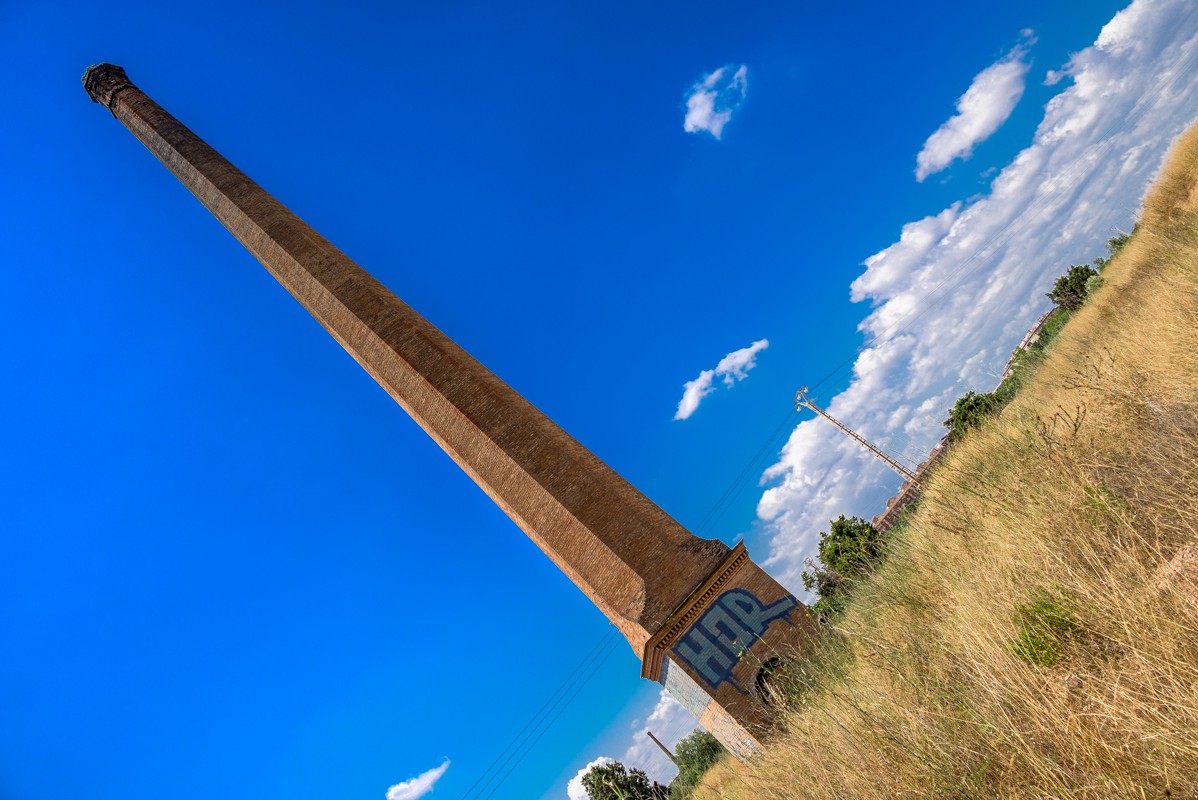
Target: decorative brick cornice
681	620
104	82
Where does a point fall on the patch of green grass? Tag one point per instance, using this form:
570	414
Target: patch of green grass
1052	326
1104	507
1045	624
1025	362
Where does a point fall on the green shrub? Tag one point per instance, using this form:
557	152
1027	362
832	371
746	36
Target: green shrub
694	754
614	781
1116	243
850	549
970	411
1070	289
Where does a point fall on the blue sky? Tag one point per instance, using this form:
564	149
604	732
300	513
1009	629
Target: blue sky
235	568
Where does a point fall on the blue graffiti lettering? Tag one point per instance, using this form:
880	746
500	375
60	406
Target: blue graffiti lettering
726	630
706	655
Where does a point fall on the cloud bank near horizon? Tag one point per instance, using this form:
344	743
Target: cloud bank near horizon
954	295
732	368
985	106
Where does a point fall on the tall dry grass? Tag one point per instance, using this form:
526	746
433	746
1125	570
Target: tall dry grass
1083	494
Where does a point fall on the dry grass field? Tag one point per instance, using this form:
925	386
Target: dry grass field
1034	631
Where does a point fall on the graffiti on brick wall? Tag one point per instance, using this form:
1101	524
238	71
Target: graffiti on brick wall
725	632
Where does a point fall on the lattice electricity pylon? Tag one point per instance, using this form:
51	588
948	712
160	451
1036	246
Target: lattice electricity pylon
803	401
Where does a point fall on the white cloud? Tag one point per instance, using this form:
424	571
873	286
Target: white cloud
574	788
713	99
736	365
732	368
985	106
954	295
693	392
419	786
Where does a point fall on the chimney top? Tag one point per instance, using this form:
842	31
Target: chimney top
104	81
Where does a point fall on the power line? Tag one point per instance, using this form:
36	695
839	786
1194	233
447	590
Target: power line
518	741
588	666
535	721
734	489
549	725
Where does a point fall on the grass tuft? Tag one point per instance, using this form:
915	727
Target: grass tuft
1046	624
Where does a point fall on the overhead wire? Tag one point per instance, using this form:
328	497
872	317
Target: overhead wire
549	725
589	665
586	667
730	494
